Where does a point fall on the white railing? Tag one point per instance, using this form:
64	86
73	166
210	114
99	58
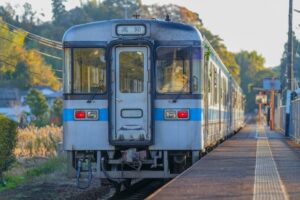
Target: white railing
280	118
295	119
294	125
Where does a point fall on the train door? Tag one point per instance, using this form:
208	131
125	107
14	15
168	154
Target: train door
131	96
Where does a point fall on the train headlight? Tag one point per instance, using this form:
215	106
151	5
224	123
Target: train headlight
92	114
170	114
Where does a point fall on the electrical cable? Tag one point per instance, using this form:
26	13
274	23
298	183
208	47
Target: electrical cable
43	53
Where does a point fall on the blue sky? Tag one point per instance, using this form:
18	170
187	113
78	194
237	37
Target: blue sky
259	25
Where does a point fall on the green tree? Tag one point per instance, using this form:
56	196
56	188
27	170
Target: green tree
20	67
282	68
8	138
227	57
253	71
38	106
57	110
28	16
58	9
181	14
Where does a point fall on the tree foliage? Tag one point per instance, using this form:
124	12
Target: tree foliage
38	105
253	70
58	9
8	138
57	110
20	67
282	68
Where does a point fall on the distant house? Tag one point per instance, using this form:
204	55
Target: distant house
11	104
13	101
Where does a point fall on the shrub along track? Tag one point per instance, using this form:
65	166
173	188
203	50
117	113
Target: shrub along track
52	190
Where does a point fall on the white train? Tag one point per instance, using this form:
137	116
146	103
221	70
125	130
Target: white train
144	98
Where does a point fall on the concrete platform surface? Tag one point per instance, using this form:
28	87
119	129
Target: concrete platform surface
255	164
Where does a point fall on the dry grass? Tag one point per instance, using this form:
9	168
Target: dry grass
38	142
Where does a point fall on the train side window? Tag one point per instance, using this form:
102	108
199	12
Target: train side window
209	78
196	63
89	70
225	92
215	86
173	71
67	71
211	83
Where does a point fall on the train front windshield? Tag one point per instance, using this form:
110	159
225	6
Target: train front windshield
174	66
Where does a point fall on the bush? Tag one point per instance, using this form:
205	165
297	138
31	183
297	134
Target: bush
38	142
8	139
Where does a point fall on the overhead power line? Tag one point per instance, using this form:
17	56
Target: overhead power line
35	37
43	53
48	55
32	34
35	73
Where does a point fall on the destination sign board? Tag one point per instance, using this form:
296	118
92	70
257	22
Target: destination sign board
131	30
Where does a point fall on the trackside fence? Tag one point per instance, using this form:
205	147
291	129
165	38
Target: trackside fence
295	120
280	118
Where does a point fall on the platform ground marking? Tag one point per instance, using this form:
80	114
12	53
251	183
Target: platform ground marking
267	184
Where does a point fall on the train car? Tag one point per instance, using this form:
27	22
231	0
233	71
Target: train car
144	98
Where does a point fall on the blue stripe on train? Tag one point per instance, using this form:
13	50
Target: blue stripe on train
195	114
68	114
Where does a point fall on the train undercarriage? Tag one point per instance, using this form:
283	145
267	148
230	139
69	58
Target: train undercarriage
123	165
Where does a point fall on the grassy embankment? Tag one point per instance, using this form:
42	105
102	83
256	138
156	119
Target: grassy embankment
35	155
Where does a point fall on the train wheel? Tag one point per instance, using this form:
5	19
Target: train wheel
127	183
118	187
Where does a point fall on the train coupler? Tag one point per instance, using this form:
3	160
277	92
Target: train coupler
84	165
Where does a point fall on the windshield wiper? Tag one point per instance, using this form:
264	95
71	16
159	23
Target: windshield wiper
100	86
181	91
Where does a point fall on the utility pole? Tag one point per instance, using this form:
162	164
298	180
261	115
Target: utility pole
290	67
290	64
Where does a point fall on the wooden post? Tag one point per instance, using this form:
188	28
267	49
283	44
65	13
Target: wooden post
272	102
259	113
272	124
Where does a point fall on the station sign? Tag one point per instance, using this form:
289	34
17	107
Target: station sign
271	83
131	30
261	99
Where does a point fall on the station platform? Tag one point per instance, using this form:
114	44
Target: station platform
254	164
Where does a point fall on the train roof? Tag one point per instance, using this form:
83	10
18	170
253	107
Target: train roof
158	30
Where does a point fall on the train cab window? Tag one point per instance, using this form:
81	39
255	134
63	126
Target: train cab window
173	70
89	70
67	71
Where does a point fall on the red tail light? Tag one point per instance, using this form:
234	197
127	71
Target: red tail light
183	114
80	114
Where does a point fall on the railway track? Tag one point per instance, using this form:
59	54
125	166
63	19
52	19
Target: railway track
140	190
